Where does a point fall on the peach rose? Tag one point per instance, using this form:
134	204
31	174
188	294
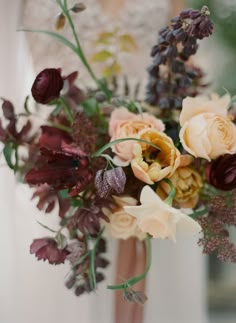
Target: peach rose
151	164
159	219
124	124
187	183
122	225
206	131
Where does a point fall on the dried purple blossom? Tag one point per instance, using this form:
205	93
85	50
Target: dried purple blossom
108	181
168	86
133	296
47	249
221	215
84	133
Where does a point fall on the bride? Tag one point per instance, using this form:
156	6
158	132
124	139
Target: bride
32	291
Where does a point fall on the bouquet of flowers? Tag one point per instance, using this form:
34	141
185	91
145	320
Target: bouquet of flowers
126	168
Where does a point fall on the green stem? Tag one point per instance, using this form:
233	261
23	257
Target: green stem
92	271
171	196
134	280
66	12
66	109
117	141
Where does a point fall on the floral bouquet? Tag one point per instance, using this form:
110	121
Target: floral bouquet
116	166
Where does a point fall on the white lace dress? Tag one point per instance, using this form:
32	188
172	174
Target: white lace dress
32	291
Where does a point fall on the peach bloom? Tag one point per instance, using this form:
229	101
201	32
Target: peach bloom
187	183
122	225
124	124
158	219
208	135
149	164
201	104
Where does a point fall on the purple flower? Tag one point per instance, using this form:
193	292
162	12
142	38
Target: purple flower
47	85
46	249
108	181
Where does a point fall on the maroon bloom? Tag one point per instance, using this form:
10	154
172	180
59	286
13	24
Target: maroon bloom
60	165
47	85
221	173
46	249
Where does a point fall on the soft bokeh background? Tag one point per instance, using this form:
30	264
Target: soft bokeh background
183	284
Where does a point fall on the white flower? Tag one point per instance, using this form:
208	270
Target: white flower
159	219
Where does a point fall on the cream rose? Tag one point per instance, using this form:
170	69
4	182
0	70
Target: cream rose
124	124
158	219
122	225
151	164
206	130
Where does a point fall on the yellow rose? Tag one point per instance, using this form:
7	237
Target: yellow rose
124	124
206	131
187	183
122	225
151	164
159	219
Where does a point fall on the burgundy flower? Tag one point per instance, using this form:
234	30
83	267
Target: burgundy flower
221	172
60	165
10	132
46	249
47	85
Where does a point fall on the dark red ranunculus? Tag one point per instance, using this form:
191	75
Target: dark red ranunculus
47	249
47	85
221	172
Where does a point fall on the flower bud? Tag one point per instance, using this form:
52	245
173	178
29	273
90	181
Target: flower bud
47	85
60	21
78	7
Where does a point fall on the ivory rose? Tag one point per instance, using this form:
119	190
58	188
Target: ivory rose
124	124
151	164
122	225
158	219
206	131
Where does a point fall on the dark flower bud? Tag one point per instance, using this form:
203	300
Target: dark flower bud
99	277
47	85
100	97
79	290
221	173
133	296
71	281
78	7
110	180
116	178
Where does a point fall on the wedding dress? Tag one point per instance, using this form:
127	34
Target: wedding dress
33	291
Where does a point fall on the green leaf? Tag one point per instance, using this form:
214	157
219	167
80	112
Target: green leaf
101	56
90	107
64	194
46	227
127	43
61	240
57	110
57	36
8	151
